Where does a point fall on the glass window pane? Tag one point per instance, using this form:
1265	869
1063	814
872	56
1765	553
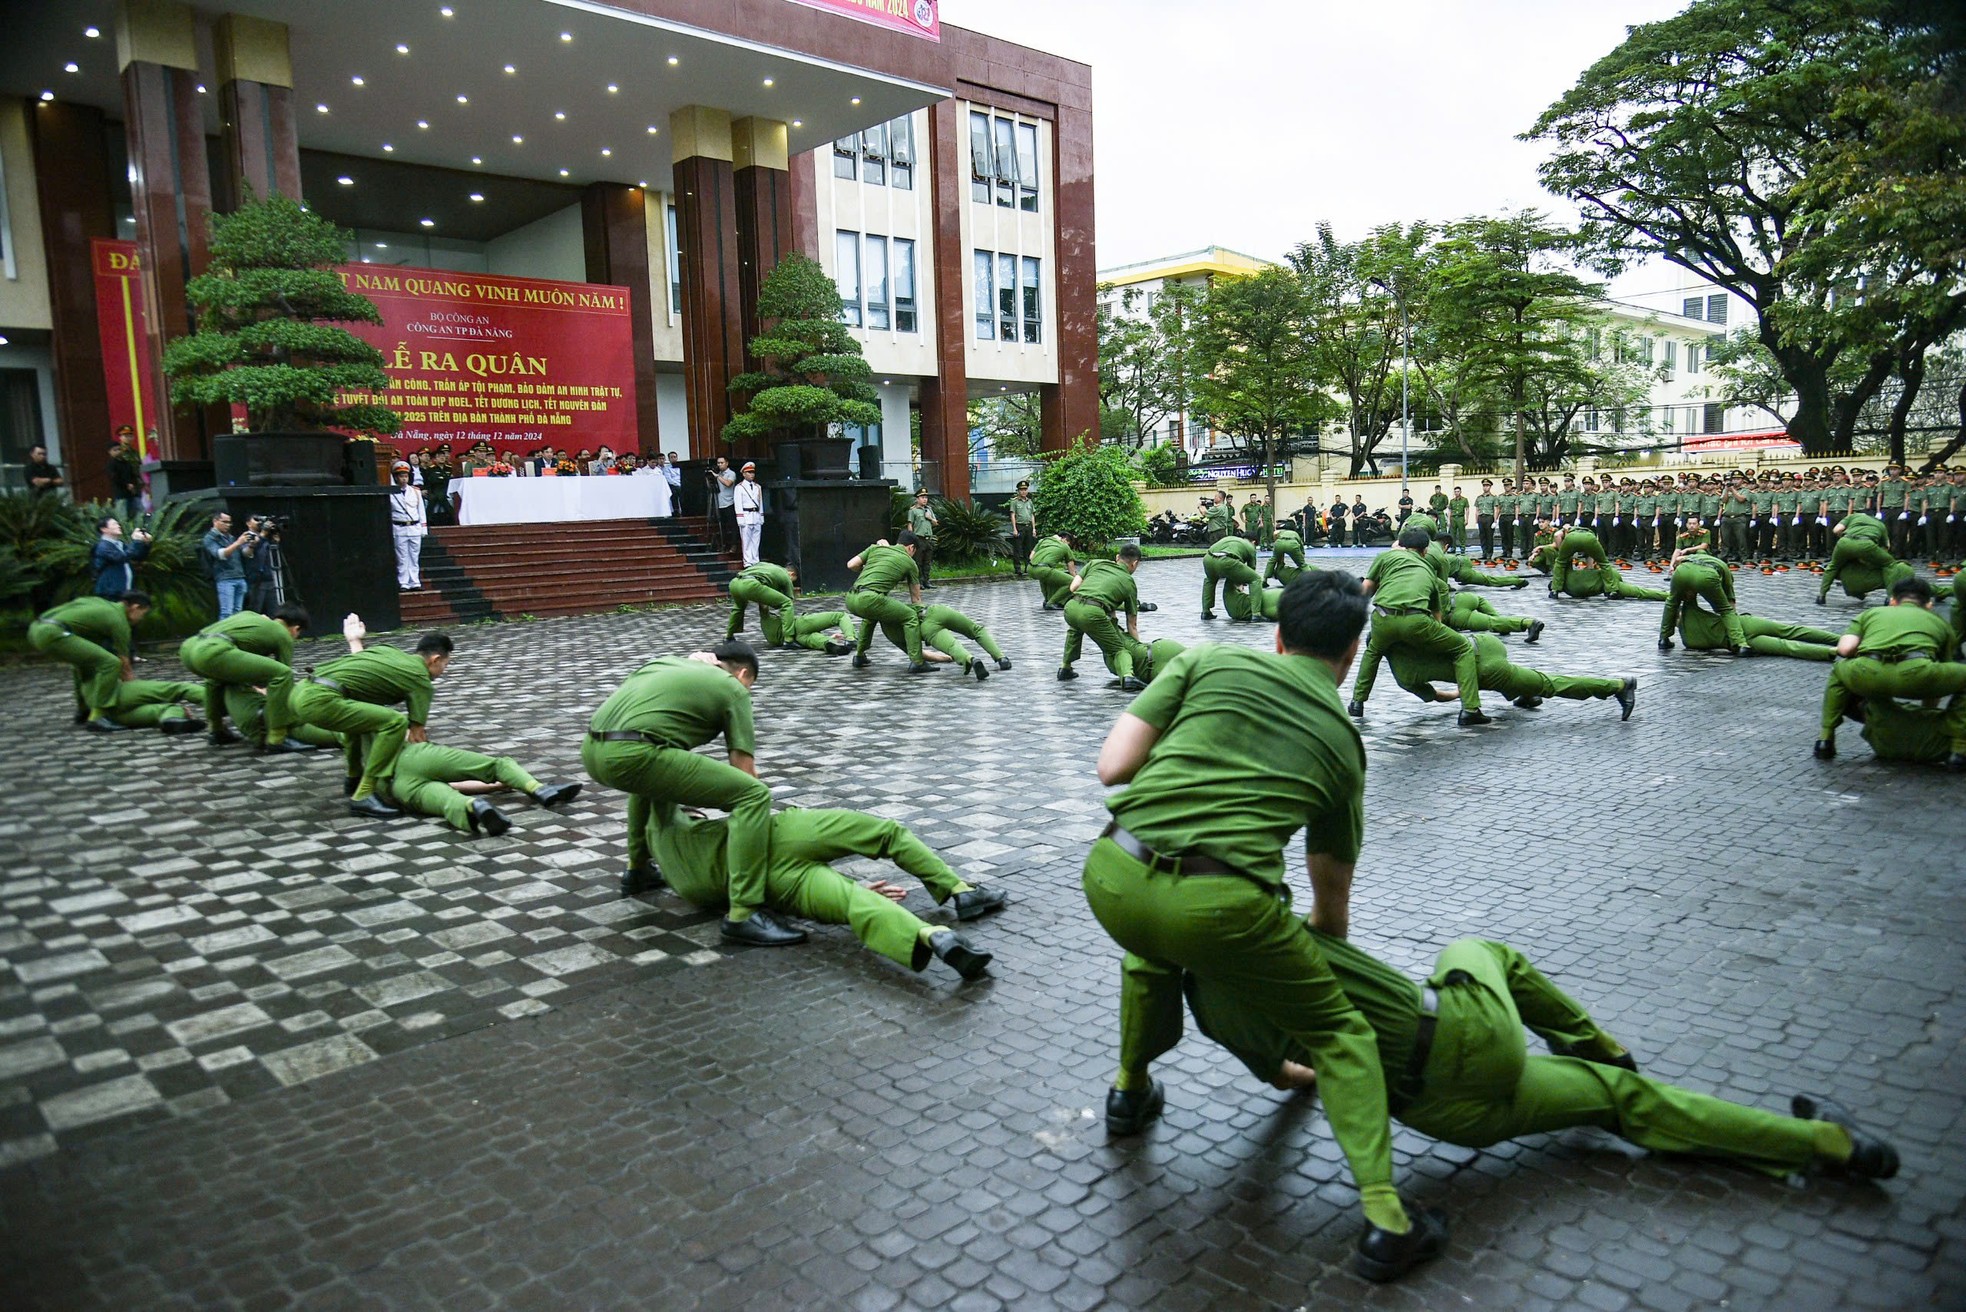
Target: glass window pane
1027	166
904	285
846	271
1007	298
1717	308
675	267
845	156
981	170
986	264
1033	320
1006	162
876	282
873	155
901	154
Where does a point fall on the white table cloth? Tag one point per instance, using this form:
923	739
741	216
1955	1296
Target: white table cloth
551	500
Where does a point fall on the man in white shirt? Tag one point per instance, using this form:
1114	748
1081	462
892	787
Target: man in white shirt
672	469
749	500
726	501
407	523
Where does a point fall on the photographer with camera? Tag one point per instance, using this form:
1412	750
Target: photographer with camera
266	589
225	564
114	560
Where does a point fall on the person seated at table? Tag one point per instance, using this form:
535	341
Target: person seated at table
584	462
627	464
603	461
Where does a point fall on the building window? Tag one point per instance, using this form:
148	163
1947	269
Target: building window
1174	432
1692	358
876	282
1665	418
846	157
986	321
873	156
904	285
1672	356
1717	308
846	272
862	434
1590	421
1691	308
1713	418
1033	320
1003	161
675	267
1006	298
901	153
1027	167
981	170
1006	163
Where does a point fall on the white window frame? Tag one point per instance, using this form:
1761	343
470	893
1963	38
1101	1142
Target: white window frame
902	254
983	272
846	248
675	263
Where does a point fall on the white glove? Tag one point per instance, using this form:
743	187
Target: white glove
1823	520
1904	514
1921	521
1679	523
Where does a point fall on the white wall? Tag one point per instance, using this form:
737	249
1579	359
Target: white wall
1004	231
897	460
883	211
552	247
23	295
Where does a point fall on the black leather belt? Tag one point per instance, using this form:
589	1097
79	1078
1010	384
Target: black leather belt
1192	863
1413	1081
625	736
1902	658
1385	610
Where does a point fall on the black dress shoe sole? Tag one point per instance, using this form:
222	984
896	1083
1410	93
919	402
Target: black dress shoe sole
1132	1122
995	900
969	962
558	795
1430	1245
753	938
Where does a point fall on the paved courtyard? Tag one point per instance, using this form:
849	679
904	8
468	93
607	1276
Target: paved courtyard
256	1053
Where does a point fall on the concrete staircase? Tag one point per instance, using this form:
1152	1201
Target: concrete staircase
497	571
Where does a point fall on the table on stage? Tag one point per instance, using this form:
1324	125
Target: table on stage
550	500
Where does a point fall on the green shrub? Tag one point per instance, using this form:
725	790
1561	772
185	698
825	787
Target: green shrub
49	541
1087	491
968	532
1160	466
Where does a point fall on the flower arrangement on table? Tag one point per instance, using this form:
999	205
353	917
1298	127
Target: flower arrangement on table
500	469
566	468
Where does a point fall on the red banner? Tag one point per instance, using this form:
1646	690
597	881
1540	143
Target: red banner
517	362
915	17
128	373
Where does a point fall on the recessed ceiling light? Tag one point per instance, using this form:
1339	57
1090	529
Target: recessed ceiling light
560	115
402	49
201	88
345	180
643	184
3	341
47	95
387	147
798	122
424	124
357	80
382	245
477	159
477	196
428	223
320	109
464	100
510	69
518	140
71	68
612	88
563	173
566	36
770	83
367	260
653	129
448	12
856	100
605	152
673	61
92	32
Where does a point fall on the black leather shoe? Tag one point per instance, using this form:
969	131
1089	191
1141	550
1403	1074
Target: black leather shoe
1956	762
1356	710
102	724
221	736
921	667
978	902
1051	606
1870	1156
967	961
1383	1255
1528	703
979	669
1004	664
1821	601
373	808
1825	749
1468	718
637	880
1627	699
1147	607
350	784
487	819
1665	644
860	660
556	794
838	647
1066	674
81	715
1129	1111
1536	628
1208	614
1133	684
288	747
762	930
189	724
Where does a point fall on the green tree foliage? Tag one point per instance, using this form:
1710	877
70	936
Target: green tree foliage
811	375
1161	465
266	311
1087	491
1354	321
1143	361
47	542
1797	153
1009	426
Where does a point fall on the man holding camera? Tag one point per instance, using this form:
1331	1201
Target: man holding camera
115	560
225	564
409	520
265	572
723	480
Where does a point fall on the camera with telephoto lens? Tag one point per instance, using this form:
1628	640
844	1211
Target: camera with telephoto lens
269	526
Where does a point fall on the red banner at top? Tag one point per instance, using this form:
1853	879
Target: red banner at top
128	373
920	18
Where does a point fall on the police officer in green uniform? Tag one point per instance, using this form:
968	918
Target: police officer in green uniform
1902	731
1231	563
944	628
771	589
1860	561
1252	521
1645	521
1099	593
448	783
1893	507
1898	650
1468	613
821	631
882	569
1703	630
1567	501
1225	757
1696	574
1667	528
1286	557
1456	1067
1785	516
356	696
249	650
799	881
1220	521
92	636
1457	522
1761	516
1736	508
1408	599
1837	505
1495	510
1053	566
922	523
642	742
1023	527
1604	512
159	704
1525	687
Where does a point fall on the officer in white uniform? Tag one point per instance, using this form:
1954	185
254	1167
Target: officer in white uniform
748	497
408	521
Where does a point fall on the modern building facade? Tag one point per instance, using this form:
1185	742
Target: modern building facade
678	148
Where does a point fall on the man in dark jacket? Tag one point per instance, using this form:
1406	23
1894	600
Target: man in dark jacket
125	478
114	560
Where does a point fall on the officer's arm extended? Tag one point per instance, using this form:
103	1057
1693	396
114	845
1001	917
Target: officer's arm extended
1126	748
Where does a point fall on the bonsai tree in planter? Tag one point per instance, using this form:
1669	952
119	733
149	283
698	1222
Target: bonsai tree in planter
266	313
812	377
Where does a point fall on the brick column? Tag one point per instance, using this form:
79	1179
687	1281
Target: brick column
945	397
614	229
71	170
1071	406
256	78
706	231
170	185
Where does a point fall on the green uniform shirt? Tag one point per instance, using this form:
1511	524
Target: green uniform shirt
1403	581
1893	632
1505	504
1023	511
1761	501
775	577
1241	548
1546	504
1253	747
1626	505
1252	515
1858	526
919	523
1457	510
1733	506
1694	537
262	635
882	569
1485	505
95	619
1051	553
681	702
1437	503
1566	500
383	676
1710	505
1787	500
1838	499
1607	502
1892	493
1108	583
1647	505
1220	518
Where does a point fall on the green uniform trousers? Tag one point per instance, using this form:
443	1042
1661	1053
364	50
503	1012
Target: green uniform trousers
1471	577
1497	673
1237	580
1054	583
247	710
1161	652
1862	566
1904	731
1241	939
1914	680
1125	654
1481	1087
1715	587
221	664
1472	614
1286	562
1561	568
1608	581
900	623
775	609
147	703
424	772
1423	636
384	727
97	669
651	773
813	631
1702	630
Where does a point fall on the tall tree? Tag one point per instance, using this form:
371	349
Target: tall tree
1143	359
1703	139
1008	426
1353	292
1257	372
